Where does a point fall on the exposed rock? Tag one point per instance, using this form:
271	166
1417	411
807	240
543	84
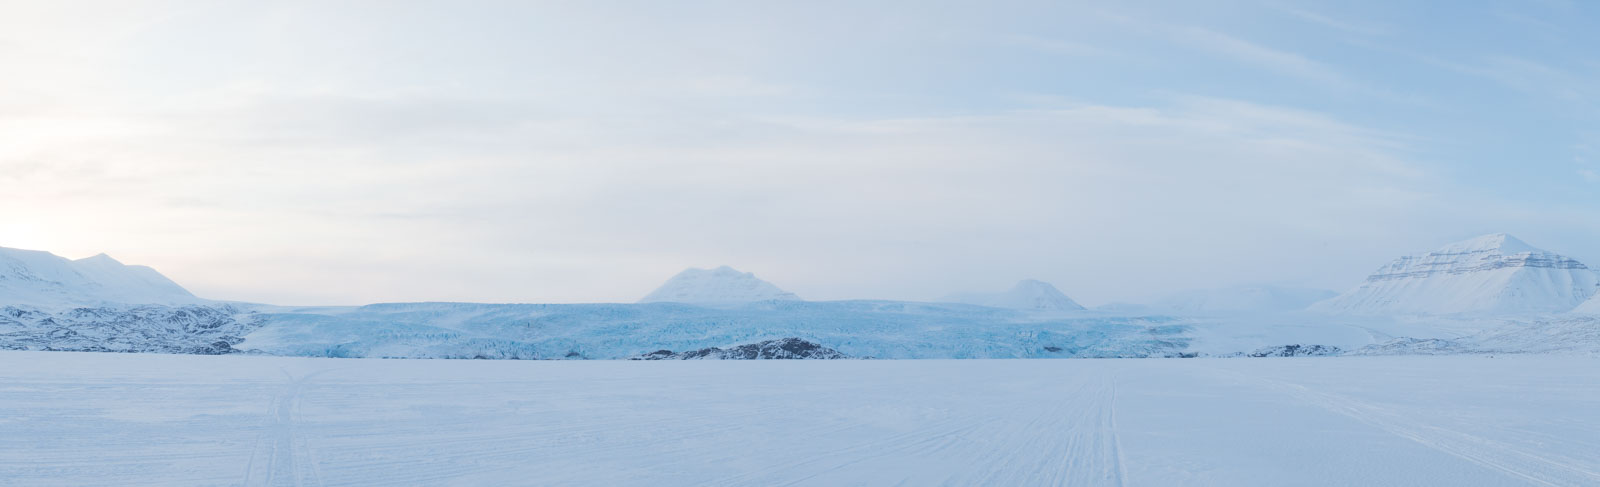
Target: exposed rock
207	330
1296	351
781	349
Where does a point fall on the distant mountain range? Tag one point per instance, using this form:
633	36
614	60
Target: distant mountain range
1259	297
1493	294
1493	274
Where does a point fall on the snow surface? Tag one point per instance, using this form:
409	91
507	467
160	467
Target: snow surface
1592	306
42	279
1491	274
1261	297
1028	294
147	419
721	286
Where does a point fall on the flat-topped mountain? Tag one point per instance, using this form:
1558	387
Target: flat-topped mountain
1489	274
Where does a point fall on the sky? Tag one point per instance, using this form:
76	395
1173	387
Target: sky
354	152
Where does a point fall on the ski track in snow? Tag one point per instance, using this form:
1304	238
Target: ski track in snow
1547	469
282	459
121	419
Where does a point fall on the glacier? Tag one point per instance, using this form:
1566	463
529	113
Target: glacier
876	329
99	304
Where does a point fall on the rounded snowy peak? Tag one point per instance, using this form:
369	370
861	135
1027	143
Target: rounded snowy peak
1027	294
722	285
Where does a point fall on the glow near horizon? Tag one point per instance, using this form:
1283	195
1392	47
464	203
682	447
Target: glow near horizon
307	153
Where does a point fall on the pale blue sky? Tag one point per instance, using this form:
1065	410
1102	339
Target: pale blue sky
350	152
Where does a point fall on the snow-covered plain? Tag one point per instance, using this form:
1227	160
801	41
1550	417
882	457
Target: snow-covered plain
152	419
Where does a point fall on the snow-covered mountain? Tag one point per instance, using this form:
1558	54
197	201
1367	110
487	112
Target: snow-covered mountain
98	304
1028	294
1489	274
1244	298
721	286
38	278
1592	306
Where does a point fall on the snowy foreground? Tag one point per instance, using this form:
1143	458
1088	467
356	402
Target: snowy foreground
150	419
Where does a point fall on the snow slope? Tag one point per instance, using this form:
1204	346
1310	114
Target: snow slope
1027	295
1244	298
42	279
1490	274
143	419
721	286
1592	306
1561	334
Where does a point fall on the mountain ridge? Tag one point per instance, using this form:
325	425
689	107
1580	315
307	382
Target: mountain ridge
1027	294
40	278
719	286
1494	273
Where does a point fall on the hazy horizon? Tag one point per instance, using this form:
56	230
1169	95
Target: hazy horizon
304	153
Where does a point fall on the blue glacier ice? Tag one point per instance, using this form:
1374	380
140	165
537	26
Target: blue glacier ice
876	329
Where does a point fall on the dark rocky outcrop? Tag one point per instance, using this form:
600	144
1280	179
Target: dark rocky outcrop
1296	350
781	349
205	330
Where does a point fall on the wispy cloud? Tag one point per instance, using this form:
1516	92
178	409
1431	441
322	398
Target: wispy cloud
1522	74
1057	46
838	152
1277	60
1325	20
